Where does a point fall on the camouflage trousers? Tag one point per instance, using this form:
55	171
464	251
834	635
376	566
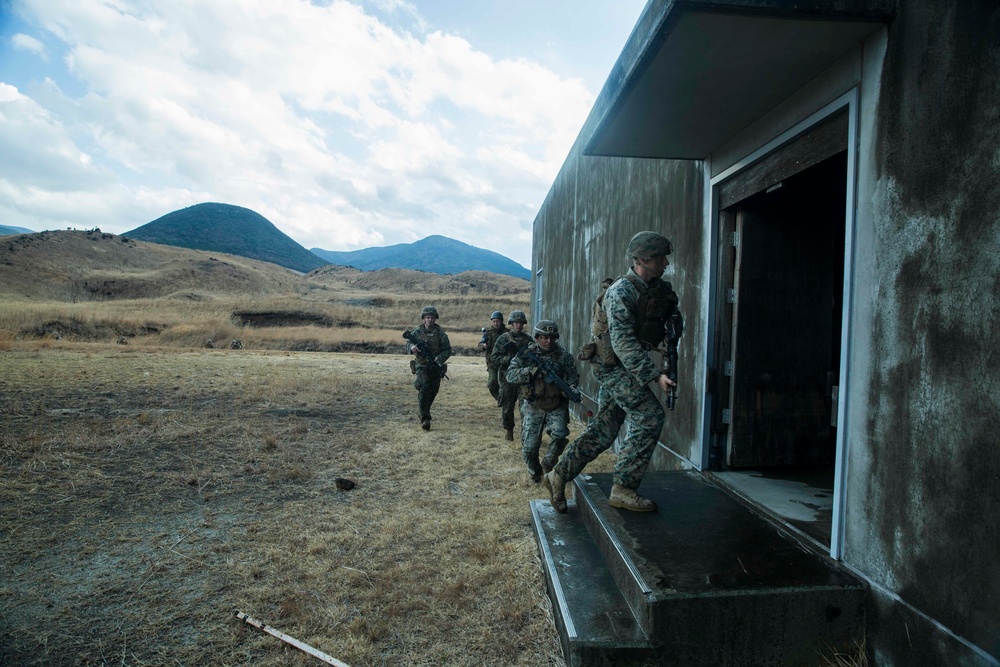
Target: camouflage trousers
493	381
621	401
508	399
427	384
534	421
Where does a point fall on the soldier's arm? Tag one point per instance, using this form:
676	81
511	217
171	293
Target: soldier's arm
519	372
497	355
570	374
445	352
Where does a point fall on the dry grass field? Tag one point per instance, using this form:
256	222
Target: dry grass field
147	494
150	487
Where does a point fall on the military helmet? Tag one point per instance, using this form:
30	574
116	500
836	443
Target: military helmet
547	328
648	244
497	315
429	310
517	316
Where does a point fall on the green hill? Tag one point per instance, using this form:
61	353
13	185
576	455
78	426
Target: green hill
229	229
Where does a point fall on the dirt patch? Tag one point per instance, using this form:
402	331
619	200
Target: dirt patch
286	318
83	330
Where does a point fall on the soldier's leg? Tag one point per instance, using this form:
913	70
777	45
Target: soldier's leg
419	381
644	421
509	402
493	382
532	423
557	426
428	391
599	435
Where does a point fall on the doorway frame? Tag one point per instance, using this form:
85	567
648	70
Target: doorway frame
850	101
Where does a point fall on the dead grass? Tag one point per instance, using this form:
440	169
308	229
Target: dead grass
147	493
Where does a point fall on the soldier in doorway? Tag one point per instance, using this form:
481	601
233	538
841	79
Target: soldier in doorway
506	347
486	344
432	348
544	406
634	311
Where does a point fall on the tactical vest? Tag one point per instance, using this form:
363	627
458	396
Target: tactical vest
657	302
543	395
520	340
432	339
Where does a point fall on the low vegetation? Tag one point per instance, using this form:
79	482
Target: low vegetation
149	492
152	486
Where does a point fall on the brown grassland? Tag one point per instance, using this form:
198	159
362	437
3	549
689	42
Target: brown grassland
150	489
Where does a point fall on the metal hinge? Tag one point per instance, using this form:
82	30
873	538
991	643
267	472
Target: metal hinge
735	239
727	368
727	416
731	295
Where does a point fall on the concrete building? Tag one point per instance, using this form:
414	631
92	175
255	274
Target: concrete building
829	173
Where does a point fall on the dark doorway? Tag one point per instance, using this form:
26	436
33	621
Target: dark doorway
786	333
781	284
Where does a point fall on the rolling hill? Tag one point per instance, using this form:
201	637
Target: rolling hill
228	229
5	230
435	254
80	266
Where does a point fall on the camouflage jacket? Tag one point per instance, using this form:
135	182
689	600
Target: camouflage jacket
436	341
621	303
507	345
491	339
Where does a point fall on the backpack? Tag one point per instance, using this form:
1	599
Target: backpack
653	312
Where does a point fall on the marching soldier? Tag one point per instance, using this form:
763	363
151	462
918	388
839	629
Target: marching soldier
629	322
506	347
544	406
432	348
486	344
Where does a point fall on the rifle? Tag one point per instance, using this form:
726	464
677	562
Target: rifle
422	348
482	341
673	327
552	376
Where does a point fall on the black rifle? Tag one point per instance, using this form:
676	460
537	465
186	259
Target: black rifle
673	327
482	341
422	348
552	375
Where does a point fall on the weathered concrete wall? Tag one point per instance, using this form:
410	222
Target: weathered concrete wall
923	475
594	207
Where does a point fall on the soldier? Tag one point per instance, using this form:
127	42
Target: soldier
486	343
428	368
504	350
635	308
544	406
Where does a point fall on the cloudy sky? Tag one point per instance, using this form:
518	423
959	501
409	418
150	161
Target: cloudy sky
348	124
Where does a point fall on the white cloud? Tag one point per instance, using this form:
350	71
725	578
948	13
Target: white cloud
29	43
341	129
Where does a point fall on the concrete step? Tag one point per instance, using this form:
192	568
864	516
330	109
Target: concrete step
709	582
596	626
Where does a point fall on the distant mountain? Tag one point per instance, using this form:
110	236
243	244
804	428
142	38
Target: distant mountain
230	229
5	230
434	254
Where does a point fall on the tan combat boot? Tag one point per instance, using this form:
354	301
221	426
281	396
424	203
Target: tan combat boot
628	499
556	486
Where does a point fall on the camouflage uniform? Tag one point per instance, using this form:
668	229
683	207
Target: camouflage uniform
492	377
501	356
544	406
428	380
625	397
